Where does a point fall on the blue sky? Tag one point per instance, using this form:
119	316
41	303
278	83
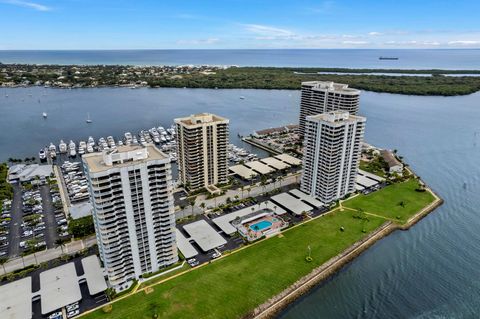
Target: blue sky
230	24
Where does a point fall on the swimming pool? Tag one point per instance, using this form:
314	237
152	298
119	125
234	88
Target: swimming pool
260	225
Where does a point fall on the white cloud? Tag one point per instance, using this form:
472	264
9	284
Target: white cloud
375	33
355	42
26	4
199	41
463	42
268	31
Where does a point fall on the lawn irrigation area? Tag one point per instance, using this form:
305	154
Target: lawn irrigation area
232	286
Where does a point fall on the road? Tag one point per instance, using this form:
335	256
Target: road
48	216
48	254
15	225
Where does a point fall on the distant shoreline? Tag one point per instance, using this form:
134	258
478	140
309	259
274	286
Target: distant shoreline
435	82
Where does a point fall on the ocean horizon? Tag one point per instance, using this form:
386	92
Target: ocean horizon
448	59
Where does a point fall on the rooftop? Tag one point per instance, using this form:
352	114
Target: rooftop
16	300
204	235
196	120
123	156
289	159
306	198
260	167
390	158
243	171
59	287
94	275
335	117
275	163
187	249
331	86
291	203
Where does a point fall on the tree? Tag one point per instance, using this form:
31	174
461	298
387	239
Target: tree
3	261
263	182
60	243
202	206
242	187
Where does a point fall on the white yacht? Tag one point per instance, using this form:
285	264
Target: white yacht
44	114
62	147
89	148
41	155
120	143
134	140
82	146
88	120
91	141
52	147
111	141
72	149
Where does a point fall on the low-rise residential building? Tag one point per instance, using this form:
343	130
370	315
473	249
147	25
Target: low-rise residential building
394	165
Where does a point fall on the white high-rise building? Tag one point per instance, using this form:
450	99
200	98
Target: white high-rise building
202	152
321	97
131	194
332	150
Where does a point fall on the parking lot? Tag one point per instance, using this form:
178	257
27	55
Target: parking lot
33	221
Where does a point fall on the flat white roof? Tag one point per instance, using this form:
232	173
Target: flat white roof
365	181
223	222
307	198
275	163
260	167
187	249
243	171
94	275
291	203
204	235
16	299
59	287
370	175
289	159
359	187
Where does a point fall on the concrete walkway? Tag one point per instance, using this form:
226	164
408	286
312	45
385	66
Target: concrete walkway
46	255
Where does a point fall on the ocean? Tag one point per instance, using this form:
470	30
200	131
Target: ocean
465	59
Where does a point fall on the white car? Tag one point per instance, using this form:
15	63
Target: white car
55	315
216	255
73	313
72	307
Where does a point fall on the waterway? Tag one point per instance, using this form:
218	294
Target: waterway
429	271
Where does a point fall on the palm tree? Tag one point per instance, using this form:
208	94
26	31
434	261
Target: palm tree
60	243
242	188
202	206
191	202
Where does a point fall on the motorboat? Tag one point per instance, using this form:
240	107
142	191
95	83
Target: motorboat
41	155
72	149
62	147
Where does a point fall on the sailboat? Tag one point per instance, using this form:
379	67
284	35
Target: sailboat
88	120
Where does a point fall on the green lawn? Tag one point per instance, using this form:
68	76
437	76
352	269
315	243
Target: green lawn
232	286
152	281
236	284
387	201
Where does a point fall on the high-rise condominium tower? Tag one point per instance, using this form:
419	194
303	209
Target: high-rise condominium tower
332	150
321	97
131	193
202	141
